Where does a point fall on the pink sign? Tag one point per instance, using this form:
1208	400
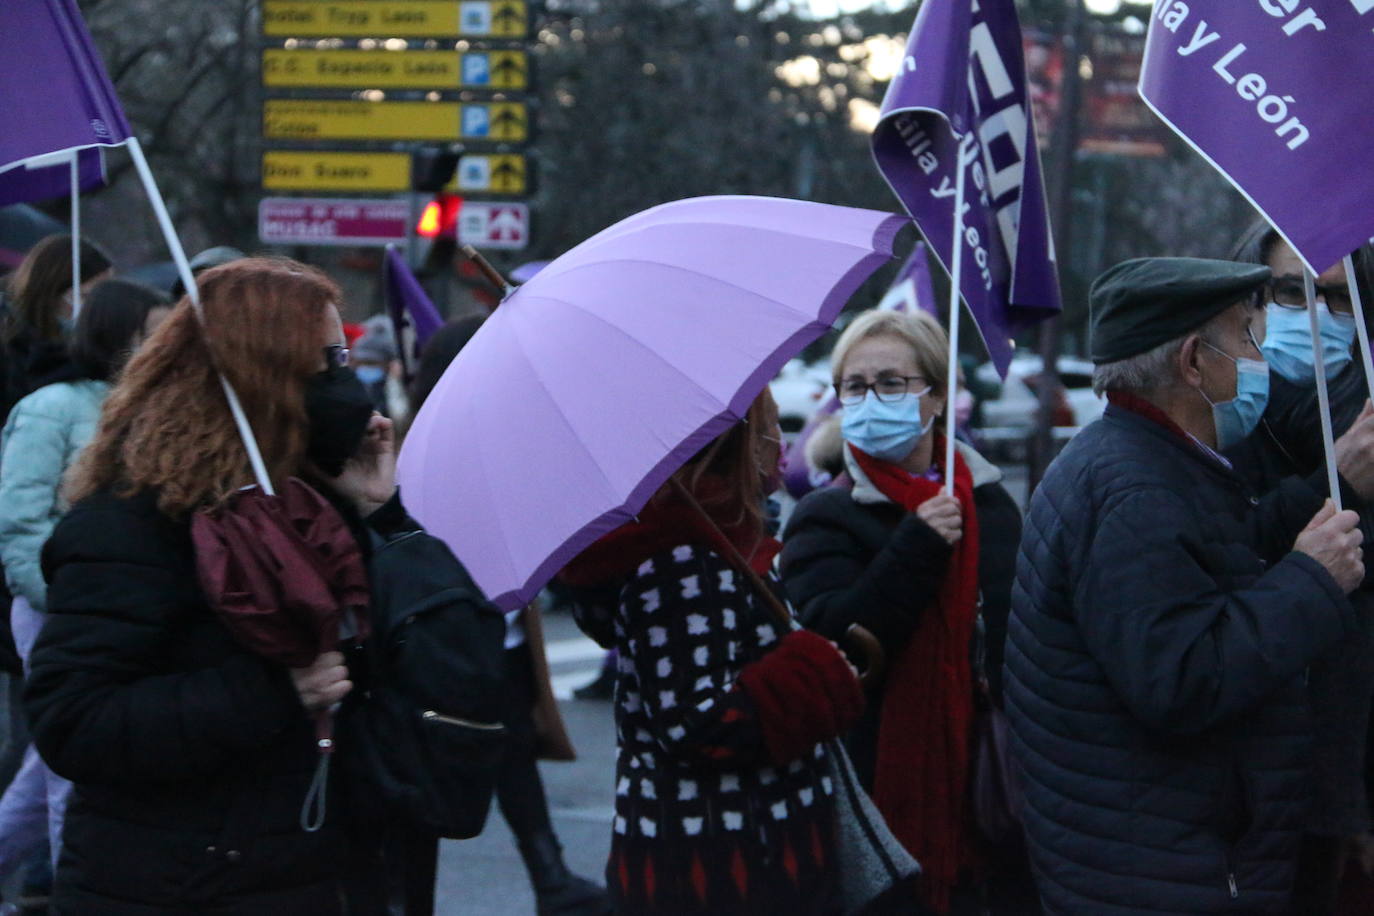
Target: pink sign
328	221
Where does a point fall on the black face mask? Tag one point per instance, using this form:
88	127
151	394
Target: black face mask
339	409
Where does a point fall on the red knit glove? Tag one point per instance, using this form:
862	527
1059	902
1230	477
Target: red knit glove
804	692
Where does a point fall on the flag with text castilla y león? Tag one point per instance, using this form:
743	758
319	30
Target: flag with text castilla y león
962	85
56	94
1277	96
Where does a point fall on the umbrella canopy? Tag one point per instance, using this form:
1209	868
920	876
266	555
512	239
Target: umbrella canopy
602	375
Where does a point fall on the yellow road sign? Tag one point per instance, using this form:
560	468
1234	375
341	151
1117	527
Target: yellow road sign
300	170
383	18
301	119
503	173
381	69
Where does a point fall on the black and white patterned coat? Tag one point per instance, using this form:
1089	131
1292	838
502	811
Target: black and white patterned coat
705	822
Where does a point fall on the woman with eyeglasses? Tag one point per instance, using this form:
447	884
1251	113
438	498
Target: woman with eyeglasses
885	548
190	754
1287	442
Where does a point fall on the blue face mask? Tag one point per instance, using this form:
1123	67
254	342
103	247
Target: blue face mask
1237	418
1288	341
887	430
370	375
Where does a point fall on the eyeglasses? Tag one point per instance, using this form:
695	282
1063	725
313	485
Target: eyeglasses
1289	293
336	356
889	388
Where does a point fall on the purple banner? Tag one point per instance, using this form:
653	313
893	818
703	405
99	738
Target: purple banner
56	94
912	288
406	302
1277	95
962	85
22	184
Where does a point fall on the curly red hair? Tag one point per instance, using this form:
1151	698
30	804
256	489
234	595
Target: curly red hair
166	425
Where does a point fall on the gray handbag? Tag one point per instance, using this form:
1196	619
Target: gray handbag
874	867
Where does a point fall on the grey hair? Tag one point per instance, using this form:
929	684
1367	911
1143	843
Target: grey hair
1152	370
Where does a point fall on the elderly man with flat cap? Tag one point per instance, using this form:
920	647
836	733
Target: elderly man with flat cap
1163	617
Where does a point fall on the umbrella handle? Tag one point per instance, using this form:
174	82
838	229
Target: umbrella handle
867	645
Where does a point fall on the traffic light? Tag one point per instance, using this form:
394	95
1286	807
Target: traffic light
439	219
431	169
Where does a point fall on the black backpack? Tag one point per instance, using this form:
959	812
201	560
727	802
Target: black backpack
420	743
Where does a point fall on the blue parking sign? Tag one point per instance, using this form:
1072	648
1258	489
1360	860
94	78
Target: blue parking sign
476	121
476	69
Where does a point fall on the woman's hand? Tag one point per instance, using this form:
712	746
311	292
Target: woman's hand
942	514
369	478
324	683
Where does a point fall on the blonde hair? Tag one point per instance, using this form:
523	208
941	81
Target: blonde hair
928	341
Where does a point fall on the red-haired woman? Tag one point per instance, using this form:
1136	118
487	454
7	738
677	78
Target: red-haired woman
723	805
190	755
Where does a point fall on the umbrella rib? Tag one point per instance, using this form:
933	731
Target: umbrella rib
610	234
642	345
675	267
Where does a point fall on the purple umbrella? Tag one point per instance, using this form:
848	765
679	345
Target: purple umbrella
601	376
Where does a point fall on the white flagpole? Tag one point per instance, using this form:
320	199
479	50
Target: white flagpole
76	233
956	266
1360	329
1323	399
164	220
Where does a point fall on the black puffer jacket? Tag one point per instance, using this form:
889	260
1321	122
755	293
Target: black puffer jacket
1159	633
852	556
1288	442
191	756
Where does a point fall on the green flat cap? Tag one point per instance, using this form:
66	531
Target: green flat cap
1142	303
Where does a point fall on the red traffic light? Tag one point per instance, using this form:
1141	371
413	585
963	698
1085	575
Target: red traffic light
439	219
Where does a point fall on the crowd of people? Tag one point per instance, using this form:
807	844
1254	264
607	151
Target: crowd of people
1154	699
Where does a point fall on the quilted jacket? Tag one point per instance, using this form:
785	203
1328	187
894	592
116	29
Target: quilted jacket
1160	632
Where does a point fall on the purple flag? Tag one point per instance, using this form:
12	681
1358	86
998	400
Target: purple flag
56	94
961	90
25	184
1277	96
912	288
406	302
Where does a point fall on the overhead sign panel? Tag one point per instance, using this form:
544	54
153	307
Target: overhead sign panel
284	68
301	119
328	221
409	18
494	18
300	170
494	225
502	173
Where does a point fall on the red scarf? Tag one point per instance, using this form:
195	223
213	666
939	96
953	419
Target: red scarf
924	736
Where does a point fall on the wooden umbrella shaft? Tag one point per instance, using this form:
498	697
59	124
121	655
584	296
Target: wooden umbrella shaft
734	557
858	637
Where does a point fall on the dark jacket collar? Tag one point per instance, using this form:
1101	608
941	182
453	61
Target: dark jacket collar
1137	413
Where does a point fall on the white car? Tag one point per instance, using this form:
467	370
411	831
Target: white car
1014	409
799	390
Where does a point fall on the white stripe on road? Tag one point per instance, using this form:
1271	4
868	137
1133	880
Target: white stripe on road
577	649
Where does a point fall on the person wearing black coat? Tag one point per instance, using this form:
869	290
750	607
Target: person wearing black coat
854	555
193	756
1164	616
1287	442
